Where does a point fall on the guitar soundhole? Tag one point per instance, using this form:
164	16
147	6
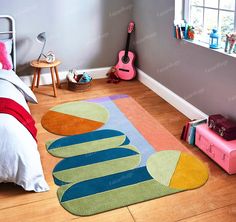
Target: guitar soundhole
125	60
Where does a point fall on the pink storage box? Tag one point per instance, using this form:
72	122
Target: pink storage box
221	151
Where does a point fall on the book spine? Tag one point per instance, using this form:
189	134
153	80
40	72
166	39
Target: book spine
192	139
174	31
186	131
226	43
190	133
177	31
183	132
186	31
180	34
193	130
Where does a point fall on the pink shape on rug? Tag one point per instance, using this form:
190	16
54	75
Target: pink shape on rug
157	135
6	64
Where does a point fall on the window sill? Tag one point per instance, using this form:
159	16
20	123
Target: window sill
205	45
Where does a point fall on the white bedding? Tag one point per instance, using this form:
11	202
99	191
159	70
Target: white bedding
19	157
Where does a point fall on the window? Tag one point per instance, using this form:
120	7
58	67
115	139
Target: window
205	15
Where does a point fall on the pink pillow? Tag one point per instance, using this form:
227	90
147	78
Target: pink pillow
4	57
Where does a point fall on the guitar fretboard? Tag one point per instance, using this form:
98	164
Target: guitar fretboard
127	47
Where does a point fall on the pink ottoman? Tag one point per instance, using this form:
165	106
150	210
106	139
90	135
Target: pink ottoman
221	151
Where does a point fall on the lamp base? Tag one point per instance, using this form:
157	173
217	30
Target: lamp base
41	56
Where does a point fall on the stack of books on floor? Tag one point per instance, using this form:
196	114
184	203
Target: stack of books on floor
189	130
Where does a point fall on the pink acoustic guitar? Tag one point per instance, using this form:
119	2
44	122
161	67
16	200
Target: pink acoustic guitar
125	66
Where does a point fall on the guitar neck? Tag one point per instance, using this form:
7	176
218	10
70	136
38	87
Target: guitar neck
127	45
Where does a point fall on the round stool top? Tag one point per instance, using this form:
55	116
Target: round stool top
44	64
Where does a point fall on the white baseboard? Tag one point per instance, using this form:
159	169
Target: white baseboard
178	102
98	73
46	79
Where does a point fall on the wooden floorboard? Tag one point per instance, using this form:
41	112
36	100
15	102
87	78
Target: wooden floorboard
216	199
223	214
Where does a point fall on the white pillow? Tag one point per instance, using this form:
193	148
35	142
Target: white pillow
11	76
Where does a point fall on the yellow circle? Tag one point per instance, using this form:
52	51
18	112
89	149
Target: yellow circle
177	170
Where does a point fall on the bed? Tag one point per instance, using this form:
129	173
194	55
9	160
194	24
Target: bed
19	157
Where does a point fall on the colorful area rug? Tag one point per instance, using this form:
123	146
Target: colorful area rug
130	159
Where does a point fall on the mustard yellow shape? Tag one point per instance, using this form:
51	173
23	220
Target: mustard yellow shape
190	173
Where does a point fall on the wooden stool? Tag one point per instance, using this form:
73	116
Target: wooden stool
38	65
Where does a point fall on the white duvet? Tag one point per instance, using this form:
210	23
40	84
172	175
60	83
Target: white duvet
19	157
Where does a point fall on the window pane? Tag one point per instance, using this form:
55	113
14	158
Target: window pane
178	10
226	23
212	3
211	17
227	4
197	19
196	2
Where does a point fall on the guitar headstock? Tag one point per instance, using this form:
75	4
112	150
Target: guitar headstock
131	27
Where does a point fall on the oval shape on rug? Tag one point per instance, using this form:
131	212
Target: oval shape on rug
177	170
110	192
98	164
86	143
75	118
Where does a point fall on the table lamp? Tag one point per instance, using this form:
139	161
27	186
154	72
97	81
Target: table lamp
42	39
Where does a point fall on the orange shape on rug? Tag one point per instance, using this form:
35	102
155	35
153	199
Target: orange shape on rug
67	125
190	173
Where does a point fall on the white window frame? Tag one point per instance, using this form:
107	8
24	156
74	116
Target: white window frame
187	12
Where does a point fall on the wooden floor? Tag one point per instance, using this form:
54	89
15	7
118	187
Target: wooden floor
216	201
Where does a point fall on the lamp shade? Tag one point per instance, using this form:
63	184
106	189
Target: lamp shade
41	37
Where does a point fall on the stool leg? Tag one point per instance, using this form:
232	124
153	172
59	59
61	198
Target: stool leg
53	82
57	76
38	78
34	79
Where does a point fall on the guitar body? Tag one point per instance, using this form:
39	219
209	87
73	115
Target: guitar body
125	68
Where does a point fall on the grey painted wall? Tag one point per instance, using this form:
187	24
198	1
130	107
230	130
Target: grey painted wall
88	34
205	78
82	33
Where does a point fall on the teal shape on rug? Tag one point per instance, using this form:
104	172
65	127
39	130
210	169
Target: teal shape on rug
113	191
96	164
86	143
